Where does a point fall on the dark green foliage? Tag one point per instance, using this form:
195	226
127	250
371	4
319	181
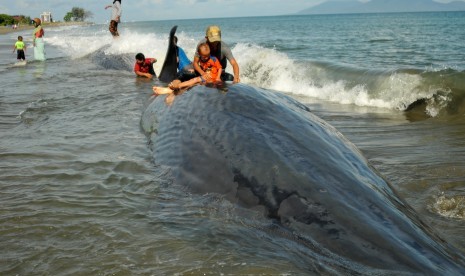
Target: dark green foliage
77	14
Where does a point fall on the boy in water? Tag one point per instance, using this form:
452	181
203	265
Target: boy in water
20	47
144	66
209	64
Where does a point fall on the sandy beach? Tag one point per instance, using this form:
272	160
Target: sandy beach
9	29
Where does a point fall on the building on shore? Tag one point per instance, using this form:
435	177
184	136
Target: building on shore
46	17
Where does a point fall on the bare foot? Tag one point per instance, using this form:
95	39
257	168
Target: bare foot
161	90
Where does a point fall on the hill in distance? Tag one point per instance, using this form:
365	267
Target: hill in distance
380	6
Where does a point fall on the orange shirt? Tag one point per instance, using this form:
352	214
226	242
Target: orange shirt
212	66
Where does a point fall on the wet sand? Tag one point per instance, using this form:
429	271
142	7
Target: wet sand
9	29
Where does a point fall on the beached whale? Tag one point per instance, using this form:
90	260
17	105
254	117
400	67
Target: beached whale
265	151
111	61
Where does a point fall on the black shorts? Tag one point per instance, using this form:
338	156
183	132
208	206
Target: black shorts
151	71
227	77
20	54
185	76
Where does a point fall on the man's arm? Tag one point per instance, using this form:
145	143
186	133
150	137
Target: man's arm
147	75
235	69
220	70
226	51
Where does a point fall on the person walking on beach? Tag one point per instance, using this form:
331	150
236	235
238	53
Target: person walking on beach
38	41
115	17
20	47
209	64
144	66
221	51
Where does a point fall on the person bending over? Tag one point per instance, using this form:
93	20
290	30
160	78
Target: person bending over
209	64
144	66
221	51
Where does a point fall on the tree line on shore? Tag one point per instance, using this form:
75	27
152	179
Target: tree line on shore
6	19
76	14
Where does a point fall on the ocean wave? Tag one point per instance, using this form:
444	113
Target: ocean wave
429	91
400	89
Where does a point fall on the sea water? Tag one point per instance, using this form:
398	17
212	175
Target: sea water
80	193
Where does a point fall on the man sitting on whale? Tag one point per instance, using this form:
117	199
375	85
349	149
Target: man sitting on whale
209	65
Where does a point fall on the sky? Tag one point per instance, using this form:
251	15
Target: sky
147	10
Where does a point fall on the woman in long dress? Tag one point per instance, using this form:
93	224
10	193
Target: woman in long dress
38	41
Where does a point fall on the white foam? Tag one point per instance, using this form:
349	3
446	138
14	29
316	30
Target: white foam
78	43
259	66
449	206
271	69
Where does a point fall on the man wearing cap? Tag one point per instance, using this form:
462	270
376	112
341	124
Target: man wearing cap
221	51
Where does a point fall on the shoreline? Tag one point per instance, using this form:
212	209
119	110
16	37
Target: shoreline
6	30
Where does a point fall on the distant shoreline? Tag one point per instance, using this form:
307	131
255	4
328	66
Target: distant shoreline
7	30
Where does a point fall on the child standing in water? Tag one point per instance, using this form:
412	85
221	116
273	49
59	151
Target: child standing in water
20	47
